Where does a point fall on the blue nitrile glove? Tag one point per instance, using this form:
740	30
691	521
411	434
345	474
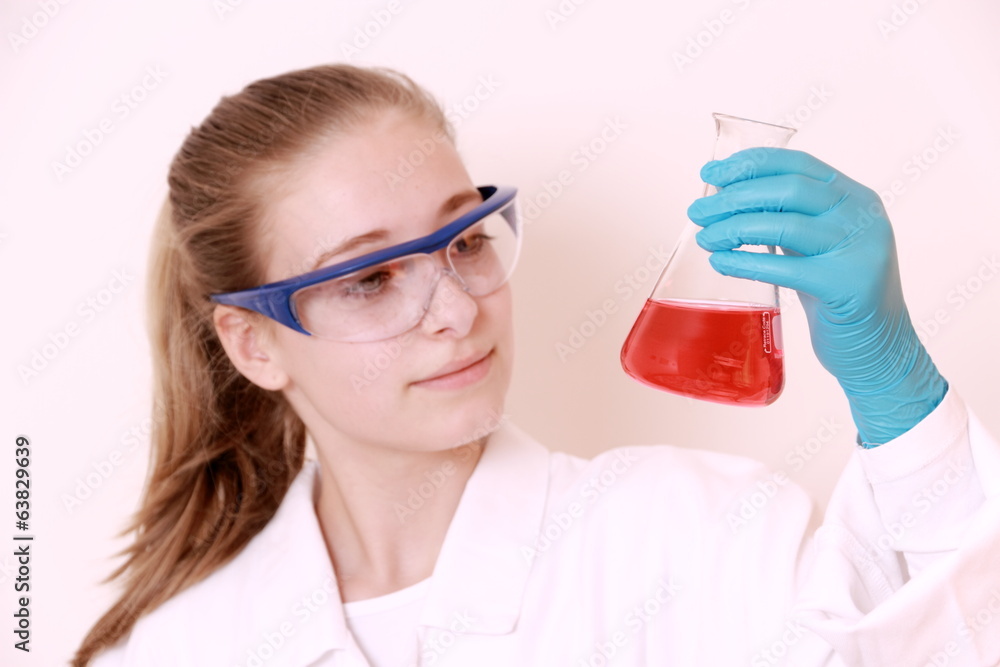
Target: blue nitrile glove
841	258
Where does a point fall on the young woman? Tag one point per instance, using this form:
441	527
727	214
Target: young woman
300	284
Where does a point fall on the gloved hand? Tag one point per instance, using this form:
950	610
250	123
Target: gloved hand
840	256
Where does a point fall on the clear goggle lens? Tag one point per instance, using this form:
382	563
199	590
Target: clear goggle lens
387	299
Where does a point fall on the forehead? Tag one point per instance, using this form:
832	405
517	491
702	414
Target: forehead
392	174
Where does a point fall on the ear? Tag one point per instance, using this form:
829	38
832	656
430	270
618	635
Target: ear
247	346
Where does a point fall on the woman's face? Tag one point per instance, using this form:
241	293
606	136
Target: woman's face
384	393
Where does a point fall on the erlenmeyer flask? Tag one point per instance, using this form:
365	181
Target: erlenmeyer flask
705	335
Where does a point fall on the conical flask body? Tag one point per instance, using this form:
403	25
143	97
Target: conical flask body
704	335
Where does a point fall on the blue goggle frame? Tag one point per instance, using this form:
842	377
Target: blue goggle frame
274	300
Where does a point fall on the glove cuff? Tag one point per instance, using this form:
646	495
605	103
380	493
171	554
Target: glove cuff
887	414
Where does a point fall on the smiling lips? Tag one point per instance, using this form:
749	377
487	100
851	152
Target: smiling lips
459	373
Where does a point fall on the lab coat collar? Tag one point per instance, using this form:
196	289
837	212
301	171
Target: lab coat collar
482	570
279	590
478	581
287	567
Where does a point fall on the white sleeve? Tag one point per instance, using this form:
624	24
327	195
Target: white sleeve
906	567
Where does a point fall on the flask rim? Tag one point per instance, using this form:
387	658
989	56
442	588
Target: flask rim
725	116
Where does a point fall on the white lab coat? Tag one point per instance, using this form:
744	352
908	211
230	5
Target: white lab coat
651	555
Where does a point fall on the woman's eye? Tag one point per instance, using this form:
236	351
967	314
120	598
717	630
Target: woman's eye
472	243
369	284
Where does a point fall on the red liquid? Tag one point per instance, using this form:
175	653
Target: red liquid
720	353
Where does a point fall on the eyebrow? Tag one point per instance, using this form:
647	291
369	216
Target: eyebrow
451	204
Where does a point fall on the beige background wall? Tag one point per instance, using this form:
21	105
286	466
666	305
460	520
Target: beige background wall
870	85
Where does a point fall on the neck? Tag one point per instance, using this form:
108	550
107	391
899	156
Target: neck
384	513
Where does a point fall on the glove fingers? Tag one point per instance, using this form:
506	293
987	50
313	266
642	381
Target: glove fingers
793	231
786	192
759	162
797	273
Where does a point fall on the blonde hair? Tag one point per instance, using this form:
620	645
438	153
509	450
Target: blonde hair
223	450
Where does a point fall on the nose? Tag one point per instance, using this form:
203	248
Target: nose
450	306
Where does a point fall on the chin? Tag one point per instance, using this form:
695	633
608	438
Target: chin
466	422
485	423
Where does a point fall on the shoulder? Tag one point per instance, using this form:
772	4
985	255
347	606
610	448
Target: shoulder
657	471
245	596
721	498
704	518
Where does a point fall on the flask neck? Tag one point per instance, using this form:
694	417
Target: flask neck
734	134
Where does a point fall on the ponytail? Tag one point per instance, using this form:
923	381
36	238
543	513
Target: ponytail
224	451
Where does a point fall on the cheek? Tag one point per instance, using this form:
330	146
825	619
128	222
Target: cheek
339	373
499	308
496	326
333	371
373	365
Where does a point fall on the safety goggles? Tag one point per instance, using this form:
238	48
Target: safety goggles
385	293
